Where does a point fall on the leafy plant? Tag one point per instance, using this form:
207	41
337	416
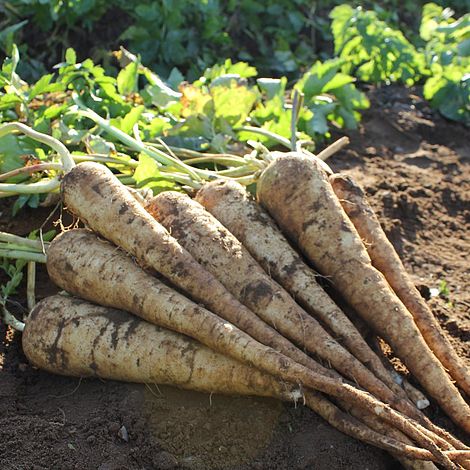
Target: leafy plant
218	113
449	92
373	51
14	268
330	95
447	52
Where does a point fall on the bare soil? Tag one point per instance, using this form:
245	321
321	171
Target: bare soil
415	168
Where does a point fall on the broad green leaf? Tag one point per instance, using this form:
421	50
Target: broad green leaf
196	101
242	69
127	122
127	79
7	35
449	92
233	103
8	101
44	85
159	96
146	169
156	81
272	86
96	144
463	48
148	175
280	126
431	17
338	81
175	78
268	110
70	56
55	110
226	80
315	80
12	148
157	126
197	125
318	124
197	142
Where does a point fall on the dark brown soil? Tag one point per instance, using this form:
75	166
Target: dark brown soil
415	167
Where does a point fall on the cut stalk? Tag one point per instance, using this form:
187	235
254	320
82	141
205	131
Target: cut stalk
134	144
105	159
41	187
24	242
226	160
10	319
30	169
23	255
333	148
265	133
30	285
54	144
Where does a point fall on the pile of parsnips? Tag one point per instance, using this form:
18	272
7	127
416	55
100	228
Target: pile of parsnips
219	270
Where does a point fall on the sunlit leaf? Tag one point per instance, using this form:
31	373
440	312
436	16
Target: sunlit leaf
127	79
233	103
148	175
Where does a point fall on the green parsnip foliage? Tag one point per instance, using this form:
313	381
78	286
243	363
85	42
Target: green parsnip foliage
373	51
14	269
447	54
227	105
211	114
279	36
330	95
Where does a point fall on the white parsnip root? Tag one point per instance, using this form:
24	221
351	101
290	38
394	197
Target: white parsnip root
298	195
386	260
69	336
95	270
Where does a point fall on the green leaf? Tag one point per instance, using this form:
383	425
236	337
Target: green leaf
338	81
127	122
233	103
127	79
431	16
175	78
15	58
313	82
158	96
9	101
318	124
20	202
44	85
148	175
197	125
146	169
156	81
463	48
241	69
7	35
70	56
157	127
12	148
96	144
449	92
14	270
272	86
372	50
